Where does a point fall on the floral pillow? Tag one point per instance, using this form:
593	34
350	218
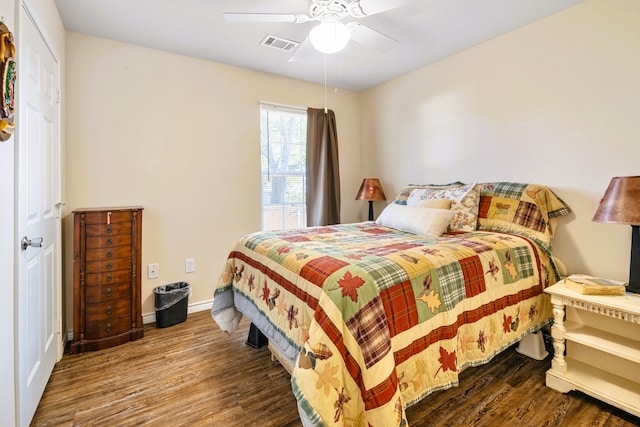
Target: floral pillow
528	209
464	203
401	198
435	203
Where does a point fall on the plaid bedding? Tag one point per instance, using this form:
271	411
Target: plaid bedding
378	318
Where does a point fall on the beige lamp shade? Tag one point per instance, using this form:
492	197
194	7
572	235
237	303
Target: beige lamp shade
370	190
621	202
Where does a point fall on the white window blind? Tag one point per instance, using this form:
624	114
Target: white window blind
283	147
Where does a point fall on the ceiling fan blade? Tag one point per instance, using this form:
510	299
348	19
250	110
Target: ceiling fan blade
303	52
370	37
371	7
265	17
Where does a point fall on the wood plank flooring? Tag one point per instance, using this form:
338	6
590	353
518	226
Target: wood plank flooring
193	374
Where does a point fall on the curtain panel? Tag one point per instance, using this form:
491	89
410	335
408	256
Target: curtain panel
323	174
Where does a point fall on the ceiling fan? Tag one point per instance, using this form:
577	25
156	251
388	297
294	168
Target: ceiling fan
331	34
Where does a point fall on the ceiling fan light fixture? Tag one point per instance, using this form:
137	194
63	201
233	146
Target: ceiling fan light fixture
330	36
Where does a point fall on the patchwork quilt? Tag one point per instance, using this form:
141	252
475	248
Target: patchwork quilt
375	318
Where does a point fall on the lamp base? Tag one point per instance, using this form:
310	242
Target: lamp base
370	210
634	271
633	290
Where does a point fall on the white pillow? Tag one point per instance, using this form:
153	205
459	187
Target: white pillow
416	220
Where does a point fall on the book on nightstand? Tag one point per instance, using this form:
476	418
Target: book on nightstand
590	285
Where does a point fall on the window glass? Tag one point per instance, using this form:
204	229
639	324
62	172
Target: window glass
283	149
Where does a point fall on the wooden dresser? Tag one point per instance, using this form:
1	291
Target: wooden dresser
107	245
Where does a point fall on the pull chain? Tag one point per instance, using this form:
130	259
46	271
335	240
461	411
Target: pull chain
326	109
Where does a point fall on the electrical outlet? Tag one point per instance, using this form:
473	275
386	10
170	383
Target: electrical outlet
189	265
153	271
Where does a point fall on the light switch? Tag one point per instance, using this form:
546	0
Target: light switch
189	265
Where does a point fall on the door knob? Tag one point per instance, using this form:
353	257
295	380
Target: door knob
36	242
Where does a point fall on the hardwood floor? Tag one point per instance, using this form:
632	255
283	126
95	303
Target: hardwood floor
193	374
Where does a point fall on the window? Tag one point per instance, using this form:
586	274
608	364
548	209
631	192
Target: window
283	153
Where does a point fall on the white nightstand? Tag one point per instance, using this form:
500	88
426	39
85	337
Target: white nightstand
601	335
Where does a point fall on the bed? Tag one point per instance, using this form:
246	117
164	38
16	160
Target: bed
375	316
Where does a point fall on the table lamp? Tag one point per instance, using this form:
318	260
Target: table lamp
621	205
370	190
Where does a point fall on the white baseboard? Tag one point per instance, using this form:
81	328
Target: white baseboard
151	317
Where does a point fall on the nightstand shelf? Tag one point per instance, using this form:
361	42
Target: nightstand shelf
604	341
612	389
596	341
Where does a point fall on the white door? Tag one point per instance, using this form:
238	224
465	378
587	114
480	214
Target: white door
39	288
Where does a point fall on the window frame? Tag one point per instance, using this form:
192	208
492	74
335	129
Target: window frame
291	210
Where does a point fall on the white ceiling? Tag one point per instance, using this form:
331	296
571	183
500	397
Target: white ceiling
426	31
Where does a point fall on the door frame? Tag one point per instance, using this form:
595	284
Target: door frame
8	247
8	250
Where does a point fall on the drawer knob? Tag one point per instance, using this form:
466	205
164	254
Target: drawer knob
109	229
108	328
108	292
109	266
108	310
109	241
109	254
109	278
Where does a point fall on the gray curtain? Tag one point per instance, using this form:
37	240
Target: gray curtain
323	175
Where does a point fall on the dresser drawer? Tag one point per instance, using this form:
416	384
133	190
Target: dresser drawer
110	310
97	329
103	217
103	293
107	253
108	229
105	266
108	278
108	241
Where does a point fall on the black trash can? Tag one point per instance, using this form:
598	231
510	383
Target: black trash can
171	303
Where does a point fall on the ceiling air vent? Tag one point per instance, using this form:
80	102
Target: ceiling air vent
279	43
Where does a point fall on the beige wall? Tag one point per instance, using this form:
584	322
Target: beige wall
180	137
556	102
